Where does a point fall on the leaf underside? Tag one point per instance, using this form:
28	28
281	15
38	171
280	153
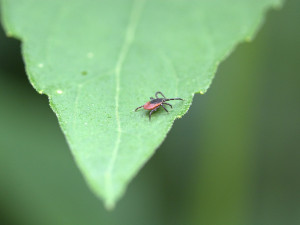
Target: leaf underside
99	60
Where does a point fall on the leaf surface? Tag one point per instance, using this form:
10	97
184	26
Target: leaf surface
99	60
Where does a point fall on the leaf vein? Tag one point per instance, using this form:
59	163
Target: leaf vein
129	38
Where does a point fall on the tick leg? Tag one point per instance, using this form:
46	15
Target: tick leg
151	98
167	104
153	110
156	94
169	99
164	108
138	107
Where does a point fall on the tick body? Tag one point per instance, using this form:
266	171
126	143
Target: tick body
155	103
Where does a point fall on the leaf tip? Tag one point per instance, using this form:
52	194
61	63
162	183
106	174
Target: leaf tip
110	205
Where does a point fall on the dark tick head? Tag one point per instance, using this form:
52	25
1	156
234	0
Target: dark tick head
156	100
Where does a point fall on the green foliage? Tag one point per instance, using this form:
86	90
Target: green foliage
98	60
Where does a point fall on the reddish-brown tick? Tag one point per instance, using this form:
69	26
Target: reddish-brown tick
155	103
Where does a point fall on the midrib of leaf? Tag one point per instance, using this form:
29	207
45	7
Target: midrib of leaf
135	13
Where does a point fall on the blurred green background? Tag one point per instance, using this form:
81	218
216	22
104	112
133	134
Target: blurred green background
234	159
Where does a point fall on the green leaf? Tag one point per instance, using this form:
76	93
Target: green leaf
99	60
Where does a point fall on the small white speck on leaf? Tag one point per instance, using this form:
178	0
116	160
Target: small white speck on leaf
59	92
41	92
85	123
40	65
90	55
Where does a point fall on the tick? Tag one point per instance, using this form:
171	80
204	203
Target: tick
155	103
